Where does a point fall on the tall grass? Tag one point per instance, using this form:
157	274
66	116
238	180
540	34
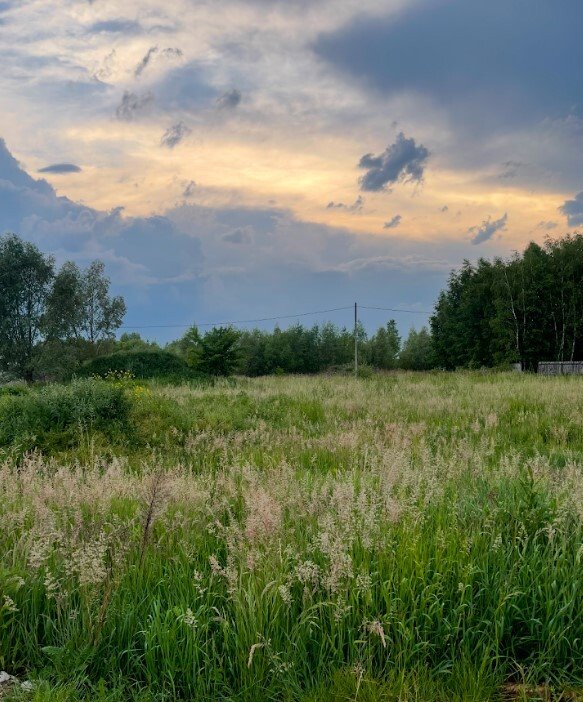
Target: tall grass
405	537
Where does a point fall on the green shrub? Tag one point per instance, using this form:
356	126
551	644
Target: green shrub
141	364
13	390
57	416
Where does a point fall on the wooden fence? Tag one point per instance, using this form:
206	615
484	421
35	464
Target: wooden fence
561	368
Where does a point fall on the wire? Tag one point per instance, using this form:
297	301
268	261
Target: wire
393	309
237	321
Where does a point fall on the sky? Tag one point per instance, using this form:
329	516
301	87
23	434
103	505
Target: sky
243	159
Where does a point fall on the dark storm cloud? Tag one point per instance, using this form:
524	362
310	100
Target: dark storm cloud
499	62
573	210
403	161
229	100
60	168
145	249
132	105
487	229
174	135
193	263
393	223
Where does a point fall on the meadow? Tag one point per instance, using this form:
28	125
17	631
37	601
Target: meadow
408	536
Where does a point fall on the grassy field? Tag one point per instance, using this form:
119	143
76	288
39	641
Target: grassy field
400	537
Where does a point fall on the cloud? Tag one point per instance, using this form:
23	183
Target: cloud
510	169
393	222
132	105
148	57
189	187
401	162
209	263
229	100
174	135
172	52
115	26
573	210
356	206
144	250
239	236
61	168
487	229
487	64
141	67
184	88
547	225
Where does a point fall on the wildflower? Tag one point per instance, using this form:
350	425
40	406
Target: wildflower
363	583
9	604
189	619
51	585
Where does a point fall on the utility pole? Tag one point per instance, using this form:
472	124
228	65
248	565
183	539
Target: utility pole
355	340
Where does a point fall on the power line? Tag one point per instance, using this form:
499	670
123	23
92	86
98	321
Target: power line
394	309
236	321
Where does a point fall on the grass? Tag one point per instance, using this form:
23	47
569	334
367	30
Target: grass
402	537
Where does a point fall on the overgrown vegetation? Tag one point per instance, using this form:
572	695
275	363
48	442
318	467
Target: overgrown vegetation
140	364
408	536
60	416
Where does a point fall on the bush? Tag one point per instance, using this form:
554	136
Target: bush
13	389
57	416
141	364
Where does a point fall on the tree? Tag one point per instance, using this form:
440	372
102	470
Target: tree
218	351
26	275
525	309
132	342
188	347
417	352
79	306
65	304
383	347
102	314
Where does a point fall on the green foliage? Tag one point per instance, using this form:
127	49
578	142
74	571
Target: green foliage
25	279
217	353
187	347
417	351
141	364
50	322
526	309
382	351
79	305
57	417
132	342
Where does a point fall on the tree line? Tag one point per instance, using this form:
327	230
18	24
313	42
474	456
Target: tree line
525	309
300	349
